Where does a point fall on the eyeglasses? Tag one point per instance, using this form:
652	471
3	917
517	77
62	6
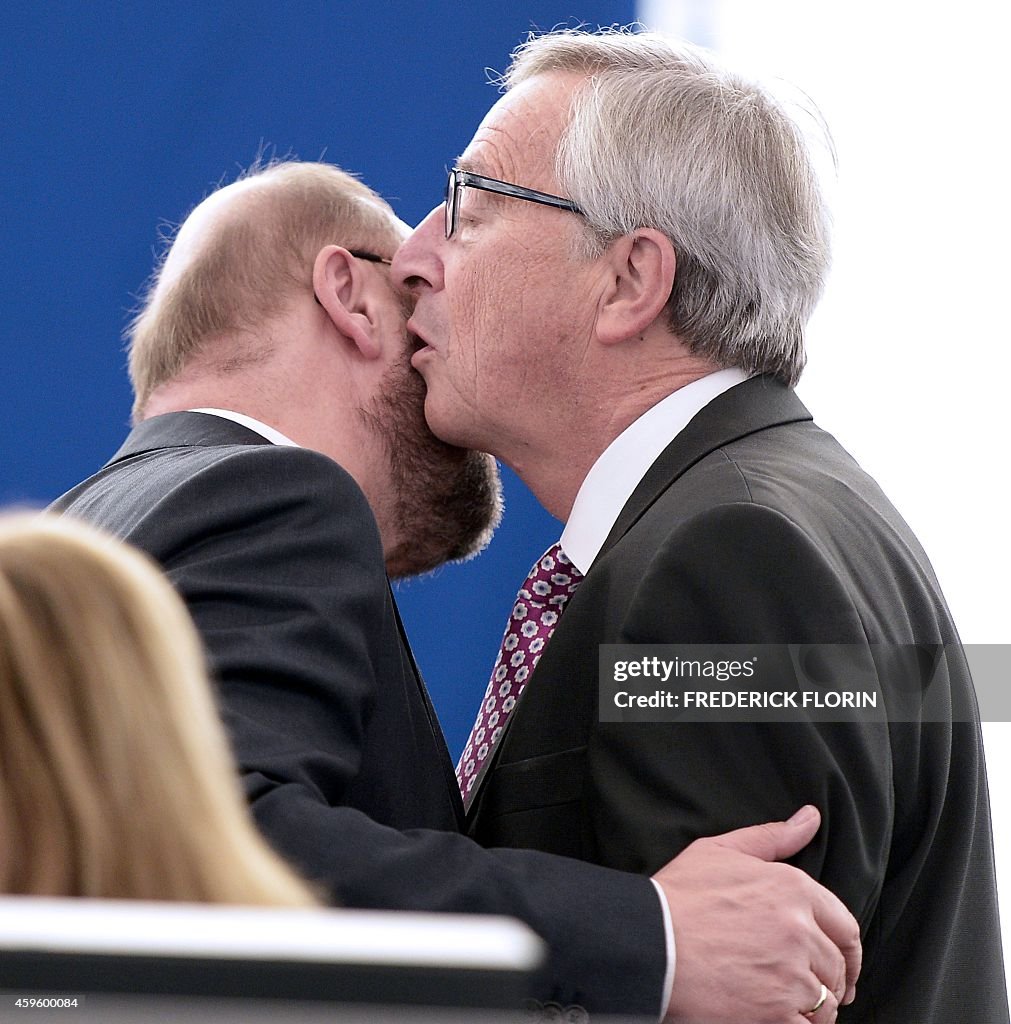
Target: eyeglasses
465	179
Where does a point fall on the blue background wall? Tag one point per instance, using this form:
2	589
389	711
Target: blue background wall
118	118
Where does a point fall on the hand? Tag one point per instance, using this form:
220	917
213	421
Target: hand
755	939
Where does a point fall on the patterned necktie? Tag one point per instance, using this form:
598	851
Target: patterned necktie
542	598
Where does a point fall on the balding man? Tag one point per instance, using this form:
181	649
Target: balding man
279	457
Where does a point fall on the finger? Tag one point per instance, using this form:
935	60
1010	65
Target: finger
827	1012
841	927
774	840
828	965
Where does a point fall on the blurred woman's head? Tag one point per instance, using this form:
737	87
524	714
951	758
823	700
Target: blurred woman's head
115	775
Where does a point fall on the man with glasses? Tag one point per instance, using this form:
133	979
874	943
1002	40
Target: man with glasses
279	457
612	300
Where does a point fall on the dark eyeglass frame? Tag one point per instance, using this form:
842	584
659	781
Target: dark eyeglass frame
459	179
361	254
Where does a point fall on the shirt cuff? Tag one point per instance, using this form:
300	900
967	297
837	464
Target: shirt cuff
668	930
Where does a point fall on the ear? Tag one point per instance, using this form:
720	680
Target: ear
640	268
341	289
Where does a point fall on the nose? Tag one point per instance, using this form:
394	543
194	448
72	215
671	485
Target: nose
418	262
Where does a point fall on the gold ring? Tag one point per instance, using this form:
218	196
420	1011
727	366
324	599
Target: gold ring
822	996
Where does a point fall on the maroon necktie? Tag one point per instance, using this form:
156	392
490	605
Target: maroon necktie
541	600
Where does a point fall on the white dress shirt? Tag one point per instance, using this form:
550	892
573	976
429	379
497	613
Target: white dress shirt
272	435
626	460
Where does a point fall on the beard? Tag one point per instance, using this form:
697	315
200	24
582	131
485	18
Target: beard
445	502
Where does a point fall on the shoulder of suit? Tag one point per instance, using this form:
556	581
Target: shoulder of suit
282	466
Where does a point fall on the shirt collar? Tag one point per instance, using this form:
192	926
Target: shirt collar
272	435
618	470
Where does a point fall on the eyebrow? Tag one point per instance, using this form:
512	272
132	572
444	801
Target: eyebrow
464	164
477	199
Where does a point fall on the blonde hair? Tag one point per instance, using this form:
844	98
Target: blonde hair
663	136
115	775
254	258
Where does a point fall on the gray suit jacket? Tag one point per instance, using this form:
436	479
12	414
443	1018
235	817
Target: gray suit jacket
756	527
277	555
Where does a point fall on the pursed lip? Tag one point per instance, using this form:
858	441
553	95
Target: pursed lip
418	342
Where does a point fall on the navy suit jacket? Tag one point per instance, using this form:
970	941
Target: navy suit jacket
278	557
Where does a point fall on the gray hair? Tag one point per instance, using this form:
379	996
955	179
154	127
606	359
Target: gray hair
663	136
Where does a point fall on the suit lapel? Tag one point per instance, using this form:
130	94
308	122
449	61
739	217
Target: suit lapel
433	719
757	404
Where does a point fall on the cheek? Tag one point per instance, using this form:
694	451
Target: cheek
484	307
507	295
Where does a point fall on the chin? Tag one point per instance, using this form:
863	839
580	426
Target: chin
444	425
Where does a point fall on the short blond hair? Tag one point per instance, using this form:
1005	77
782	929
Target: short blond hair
255	257
115	775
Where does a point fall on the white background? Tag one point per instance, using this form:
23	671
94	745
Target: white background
908	352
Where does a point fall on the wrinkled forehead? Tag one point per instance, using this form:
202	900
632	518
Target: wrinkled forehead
518	138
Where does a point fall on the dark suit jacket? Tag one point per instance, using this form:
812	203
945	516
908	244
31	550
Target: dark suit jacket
755	527
278	557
